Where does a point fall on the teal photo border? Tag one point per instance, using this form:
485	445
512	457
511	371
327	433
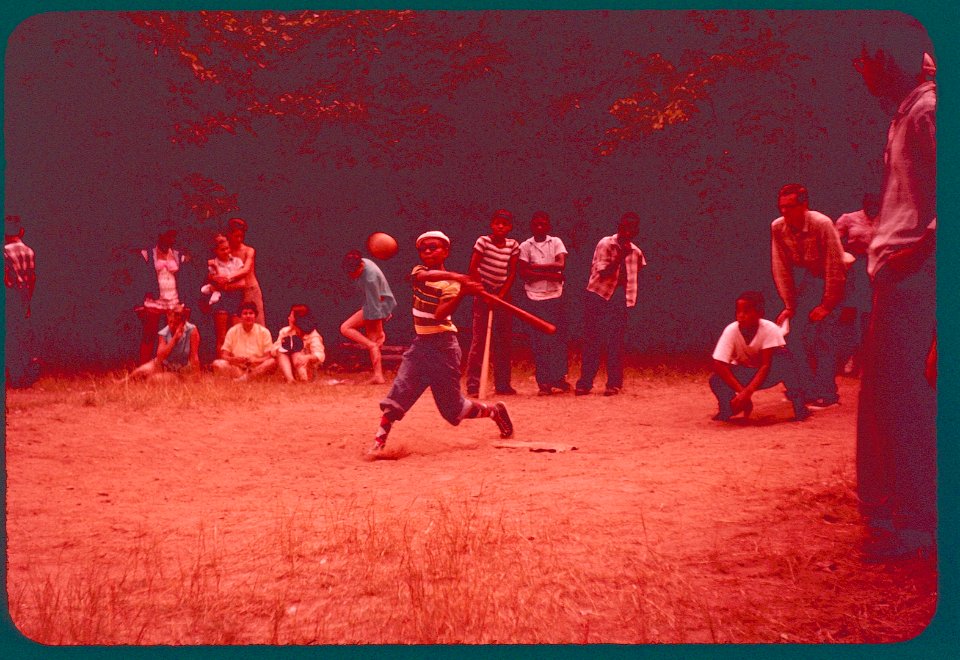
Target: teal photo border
940	18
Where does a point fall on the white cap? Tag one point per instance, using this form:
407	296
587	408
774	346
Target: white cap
433	234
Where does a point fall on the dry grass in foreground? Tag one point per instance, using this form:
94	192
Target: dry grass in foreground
699	533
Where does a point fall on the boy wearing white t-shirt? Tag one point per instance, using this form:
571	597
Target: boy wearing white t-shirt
751	355
541	264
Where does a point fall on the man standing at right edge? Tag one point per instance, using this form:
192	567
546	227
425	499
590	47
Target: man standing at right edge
896	424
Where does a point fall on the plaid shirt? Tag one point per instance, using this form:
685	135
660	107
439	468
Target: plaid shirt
19	269
816	248
608	251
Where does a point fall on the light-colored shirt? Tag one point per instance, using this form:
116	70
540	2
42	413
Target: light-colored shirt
908	203
180	354
166	270
19	265
732	348
378	300
224	268
312	343
542	253
608	251
426	297
856	231
494	263
816	248
254	344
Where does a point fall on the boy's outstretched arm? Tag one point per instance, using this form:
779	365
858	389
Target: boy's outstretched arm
468	286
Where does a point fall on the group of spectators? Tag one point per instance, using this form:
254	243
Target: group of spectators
872	272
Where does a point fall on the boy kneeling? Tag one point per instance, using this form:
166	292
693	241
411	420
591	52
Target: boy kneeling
751	356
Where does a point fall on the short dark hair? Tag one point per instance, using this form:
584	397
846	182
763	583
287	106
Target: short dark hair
540	214
629	218
303	318
794	189
249	304
755	298
217	238
237	223
351	261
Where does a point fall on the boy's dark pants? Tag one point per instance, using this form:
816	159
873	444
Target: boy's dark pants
500	340
782	370
604	325
431	361
897	416
549	351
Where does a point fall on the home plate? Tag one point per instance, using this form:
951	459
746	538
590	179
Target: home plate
534	446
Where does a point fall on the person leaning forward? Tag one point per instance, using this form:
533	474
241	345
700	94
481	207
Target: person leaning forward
808	270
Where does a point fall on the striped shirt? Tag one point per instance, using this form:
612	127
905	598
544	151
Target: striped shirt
19	268
426	297
495	261
816	248
608	251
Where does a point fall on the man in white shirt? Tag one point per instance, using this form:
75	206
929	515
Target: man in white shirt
247	348
542	260
751	355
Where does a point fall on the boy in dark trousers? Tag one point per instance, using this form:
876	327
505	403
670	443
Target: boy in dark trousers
433	359
494	263
751	355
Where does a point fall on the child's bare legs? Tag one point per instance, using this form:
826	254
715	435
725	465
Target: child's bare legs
286	368
304	364
145	370
262	369
351	330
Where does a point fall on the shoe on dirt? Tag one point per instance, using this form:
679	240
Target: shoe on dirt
502	418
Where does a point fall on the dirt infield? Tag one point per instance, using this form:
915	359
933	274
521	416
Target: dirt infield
220	513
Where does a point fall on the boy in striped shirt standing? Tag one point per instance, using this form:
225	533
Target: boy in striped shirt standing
494	263
433	359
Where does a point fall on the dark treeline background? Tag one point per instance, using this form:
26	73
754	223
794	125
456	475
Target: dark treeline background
319	128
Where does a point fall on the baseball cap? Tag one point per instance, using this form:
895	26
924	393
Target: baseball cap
433	234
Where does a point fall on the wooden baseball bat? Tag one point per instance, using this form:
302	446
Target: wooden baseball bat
485	365
521	314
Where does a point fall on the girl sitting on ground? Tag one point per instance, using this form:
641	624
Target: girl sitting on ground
299	347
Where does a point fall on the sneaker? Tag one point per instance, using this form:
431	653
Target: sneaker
378	446
581	391
611	391
502	418
823	403
544	390
561	385
506	391
720	417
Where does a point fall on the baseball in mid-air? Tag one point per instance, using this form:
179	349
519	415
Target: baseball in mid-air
381	245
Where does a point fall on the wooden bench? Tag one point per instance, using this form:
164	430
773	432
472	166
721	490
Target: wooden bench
354	357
